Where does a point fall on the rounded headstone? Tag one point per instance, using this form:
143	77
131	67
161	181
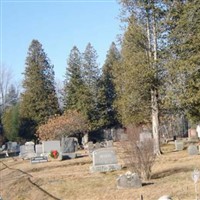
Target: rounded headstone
165	197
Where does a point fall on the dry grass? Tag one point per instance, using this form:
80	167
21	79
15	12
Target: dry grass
71	180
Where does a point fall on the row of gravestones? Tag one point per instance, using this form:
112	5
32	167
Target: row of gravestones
94	146
192	149
66	148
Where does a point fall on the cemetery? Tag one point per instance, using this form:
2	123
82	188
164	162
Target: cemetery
98	171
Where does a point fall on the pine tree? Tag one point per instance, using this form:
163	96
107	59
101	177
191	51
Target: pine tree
38	101
73	82
107	92
91	75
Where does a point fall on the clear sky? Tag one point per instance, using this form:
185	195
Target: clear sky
58	25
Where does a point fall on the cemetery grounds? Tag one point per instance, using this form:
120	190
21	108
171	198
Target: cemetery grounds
72	180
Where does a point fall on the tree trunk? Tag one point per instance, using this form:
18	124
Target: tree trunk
154	90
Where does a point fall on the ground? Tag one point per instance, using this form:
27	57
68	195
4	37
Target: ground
71	179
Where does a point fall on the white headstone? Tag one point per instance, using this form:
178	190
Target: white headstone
48	146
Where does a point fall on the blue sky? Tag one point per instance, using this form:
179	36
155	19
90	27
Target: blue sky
58	25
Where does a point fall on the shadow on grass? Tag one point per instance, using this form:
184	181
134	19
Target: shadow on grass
170	172
44	191
146	184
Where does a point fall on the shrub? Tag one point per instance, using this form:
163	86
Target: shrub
138	156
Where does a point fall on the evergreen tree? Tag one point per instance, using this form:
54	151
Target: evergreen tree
38	101
107	92
184	57
11	123
133	78
73	82
90	78
149	14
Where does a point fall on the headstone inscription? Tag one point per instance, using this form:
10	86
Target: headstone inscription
104	160
39	159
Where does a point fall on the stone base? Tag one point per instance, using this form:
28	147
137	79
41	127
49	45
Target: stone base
65	156
39	159
105	168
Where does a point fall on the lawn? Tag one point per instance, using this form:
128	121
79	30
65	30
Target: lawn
72	180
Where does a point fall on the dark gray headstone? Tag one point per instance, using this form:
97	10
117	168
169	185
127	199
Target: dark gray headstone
192	150
104	160
129	180
69	144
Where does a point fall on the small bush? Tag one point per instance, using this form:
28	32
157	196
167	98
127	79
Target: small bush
138	156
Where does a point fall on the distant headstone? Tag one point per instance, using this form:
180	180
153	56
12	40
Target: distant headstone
27	151
48	146
192	133
38	149
109	143
104	160
90	147
9	146
129	180
179	145
85	139
97	145
69	144
146	135
192	150
165	197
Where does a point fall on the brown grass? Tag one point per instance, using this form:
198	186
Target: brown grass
71	179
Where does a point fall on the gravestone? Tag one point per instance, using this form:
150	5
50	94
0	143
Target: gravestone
129	180
85	139
48	146
90	148
192	150
104	160
179	145
27	151
38	149
144	136
165	197
192	133
97	145
69	144
9	146
109	143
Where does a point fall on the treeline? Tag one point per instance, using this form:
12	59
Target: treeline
152	79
